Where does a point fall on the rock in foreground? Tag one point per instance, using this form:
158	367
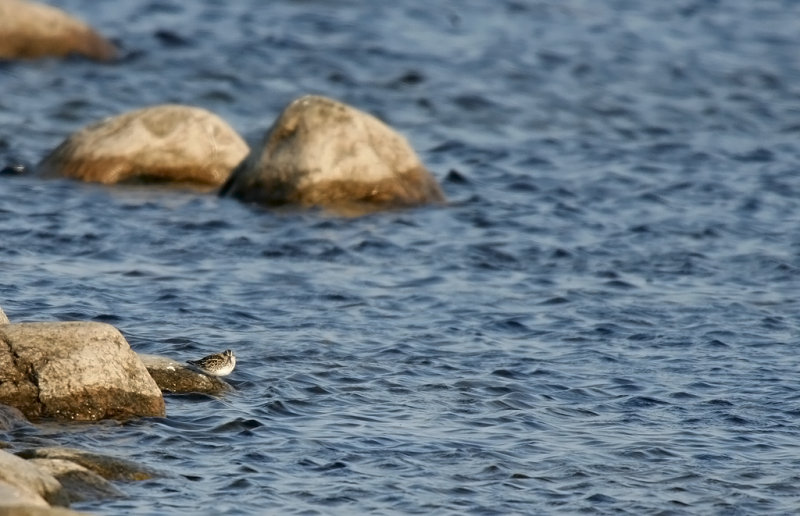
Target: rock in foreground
80	484
79	370
33	30
30	480
29	510
320	152
11	418
172	376
159	144
111	468
15	496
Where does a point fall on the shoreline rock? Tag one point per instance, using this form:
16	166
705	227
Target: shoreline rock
81	371
79	483
173	377
108	467
28	510
30	30
28	478
15	496
11	417
321	152
168	143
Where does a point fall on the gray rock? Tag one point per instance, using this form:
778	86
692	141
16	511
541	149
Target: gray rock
75	370
26	476
110	468
79	483
159	144
3	317
172	376
33	30
320	152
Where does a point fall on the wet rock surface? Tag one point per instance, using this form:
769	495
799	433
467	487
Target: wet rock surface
11	418
175	377
74	370
79	483
108	467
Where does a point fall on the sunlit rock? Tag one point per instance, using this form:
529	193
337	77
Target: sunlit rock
3	317
30	510
110	468
159	144
28	478
33	30
14	496
320	152
172	376
77	370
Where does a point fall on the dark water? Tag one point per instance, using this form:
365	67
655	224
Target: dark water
604	320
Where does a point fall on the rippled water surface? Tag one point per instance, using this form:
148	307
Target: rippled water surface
603	319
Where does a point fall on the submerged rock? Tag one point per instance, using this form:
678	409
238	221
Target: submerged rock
33	30
28	478
159	144
172	376
80	484
110	468
75	370
320	152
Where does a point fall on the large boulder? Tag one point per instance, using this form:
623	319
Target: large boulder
159	144
320	152
33	30
31	480
74	370
172	376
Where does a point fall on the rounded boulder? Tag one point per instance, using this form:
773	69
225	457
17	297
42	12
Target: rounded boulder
159	144
320	152
75	371
32	30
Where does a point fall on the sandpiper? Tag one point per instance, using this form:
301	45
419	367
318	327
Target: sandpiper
218	364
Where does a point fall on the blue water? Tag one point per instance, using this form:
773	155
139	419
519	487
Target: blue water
604	319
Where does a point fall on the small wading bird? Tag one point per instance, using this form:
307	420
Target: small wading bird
218	364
